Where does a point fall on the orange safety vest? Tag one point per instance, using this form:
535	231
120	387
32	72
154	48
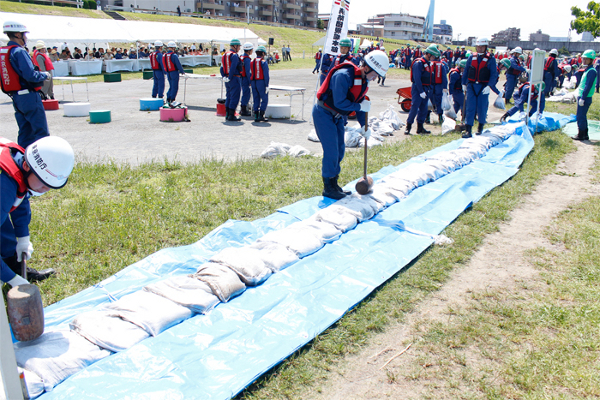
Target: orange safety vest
8	165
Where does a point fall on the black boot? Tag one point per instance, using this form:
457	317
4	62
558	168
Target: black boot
421	129
245	112
480	128
441	119
467	133
262	118
503	118
227	112
338	188
330	191
232	116
428	119
33	275
582	135
408	128
256	116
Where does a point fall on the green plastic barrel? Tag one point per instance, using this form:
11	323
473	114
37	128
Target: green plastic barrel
148	74
113	77
99	116
188	71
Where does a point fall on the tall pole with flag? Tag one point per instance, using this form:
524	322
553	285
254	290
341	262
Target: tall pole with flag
336	31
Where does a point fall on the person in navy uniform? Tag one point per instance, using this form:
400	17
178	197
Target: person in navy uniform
421	77
521	97
345	54
513	73
45	164
22	83
259	79
158	74
586	91
119	55
326	64
455	86
480	76
551	72
172	68
439	85
231	68
245	60
318	57
343	91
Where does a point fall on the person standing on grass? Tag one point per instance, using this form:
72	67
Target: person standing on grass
44	165
586	91
455	85
343	92
22	83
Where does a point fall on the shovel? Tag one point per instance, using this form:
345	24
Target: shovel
25	309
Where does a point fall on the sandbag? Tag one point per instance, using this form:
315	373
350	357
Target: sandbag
244	261
224	283
108	330
275	256
298	151
352	136
448	125
361	209
186	291
499	102
337	216
451	114
390	115
382	195
149	311
299	239
326	233
312	136
34	384
56	355
275	150
445	102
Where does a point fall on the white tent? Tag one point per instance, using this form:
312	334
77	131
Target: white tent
54	30
320	42
366	43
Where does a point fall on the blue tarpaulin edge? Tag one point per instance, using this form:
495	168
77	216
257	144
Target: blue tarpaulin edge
217	355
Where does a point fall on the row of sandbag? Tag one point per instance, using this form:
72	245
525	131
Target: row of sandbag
148	312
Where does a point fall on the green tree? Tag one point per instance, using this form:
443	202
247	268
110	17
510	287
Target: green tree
320	24
587	21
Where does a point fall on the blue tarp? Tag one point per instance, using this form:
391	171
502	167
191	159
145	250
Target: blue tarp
217	355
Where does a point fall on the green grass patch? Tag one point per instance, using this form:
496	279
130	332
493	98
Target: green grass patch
308	367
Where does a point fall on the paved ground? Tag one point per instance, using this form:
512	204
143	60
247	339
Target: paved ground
136	137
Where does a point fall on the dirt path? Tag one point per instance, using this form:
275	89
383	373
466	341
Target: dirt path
499	263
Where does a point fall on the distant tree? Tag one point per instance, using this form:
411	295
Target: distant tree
320	24
587	21
563	51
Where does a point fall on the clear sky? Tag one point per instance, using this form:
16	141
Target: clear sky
476	17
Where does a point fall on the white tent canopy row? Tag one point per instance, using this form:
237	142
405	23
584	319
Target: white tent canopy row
58	29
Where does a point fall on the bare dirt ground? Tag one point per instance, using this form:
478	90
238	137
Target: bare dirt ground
499	263
136	137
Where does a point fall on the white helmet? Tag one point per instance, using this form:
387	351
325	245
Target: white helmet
12	26
248	46
51	159
554	52
320	49
172	44
40	44
517	50
568	68
378	61
482	41
382	48
158	43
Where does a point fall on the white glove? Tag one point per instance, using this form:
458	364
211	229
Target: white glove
486	90
24	246
48	75
581	102
267	89
365	133
225	79
17	281
365	105
464	88
423	95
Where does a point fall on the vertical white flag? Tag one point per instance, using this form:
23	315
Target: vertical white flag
338	26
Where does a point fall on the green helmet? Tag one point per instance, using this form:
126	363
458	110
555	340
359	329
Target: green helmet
522	57
591	54
505	62
235	42
433	50
468	54
261	48
418	46
462	64
345	42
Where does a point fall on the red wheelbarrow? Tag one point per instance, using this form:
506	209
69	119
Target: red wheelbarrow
406	94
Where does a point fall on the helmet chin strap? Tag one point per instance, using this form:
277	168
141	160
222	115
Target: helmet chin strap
26	175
